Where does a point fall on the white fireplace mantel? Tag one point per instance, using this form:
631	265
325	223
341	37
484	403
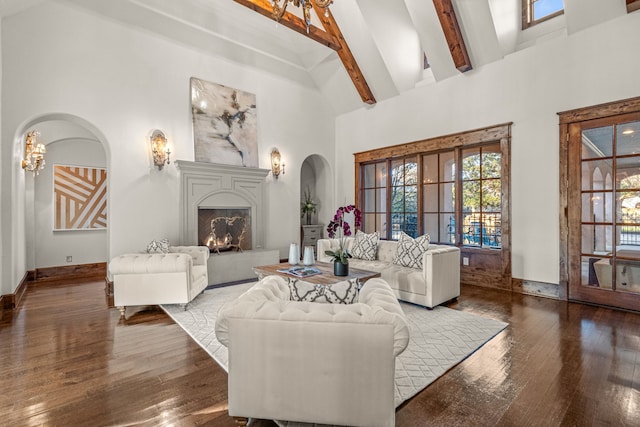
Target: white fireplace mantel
210	185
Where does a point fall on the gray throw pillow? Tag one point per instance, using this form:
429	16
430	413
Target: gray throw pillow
345	292
409	251
365	246
161	247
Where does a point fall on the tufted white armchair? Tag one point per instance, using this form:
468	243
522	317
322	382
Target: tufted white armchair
176	277
313	362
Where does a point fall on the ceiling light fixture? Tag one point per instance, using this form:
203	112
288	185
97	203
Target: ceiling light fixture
628	131
280	7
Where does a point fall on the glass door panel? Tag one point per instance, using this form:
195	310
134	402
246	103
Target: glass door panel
610	207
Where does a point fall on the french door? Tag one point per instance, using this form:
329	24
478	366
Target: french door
603	210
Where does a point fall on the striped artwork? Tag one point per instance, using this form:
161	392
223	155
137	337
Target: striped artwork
80	198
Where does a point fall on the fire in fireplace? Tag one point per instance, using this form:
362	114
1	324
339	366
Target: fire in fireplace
224	229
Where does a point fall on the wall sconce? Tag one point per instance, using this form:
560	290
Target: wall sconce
277	166
33	153
159	149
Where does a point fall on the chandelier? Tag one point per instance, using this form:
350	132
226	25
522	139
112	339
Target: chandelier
33	153
280	7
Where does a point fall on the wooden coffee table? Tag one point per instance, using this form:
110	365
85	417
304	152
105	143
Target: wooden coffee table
326	278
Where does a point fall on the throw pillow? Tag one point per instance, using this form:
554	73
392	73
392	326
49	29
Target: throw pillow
409	251
161	247
365	246
345	292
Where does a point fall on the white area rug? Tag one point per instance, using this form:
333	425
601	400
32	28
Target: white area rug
440	338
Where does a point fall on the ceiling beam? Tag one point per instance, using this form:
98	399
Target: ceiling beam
349	62
633	5
451	29
332	37
289	20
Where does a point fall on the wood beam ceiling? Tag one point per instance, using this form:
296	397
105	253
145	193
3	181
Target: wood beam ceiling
633	5
289	20
330	25
451	29
331	37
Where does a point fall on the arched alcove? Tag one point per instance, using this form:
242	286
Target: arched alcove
315	177
70	141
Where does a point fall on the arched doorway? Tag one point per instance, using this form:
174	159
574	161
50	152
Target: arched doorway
73	144
317	185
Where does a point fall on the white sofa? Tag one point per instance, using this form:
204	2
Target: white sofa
438	281
313	362
176	277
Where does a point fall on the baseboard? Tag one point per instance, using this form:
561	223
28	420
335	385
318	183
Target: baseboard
95	271
540	289
11	301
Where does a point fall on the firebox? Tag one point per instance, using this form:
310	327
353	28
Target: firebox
224	229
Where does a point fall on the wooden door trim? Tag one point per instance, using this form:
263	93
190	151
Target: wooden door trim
569	123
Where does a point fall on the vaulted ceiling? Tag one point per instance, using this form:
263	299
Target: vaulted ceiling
387	38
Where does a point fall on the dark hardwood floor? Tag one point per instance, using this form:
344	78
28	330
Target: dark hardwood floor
67	360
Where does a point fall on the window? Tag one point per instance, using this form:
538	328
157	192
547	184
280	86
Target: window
418	193
438	200
374	189
536	11
481	196
404	197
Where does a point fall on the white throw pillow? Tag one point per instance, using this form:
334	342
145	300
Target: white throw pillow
365	246
409	251
345	292
161	247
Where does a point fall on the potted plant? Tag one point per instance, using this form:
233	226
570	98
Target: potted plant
339	228
307	207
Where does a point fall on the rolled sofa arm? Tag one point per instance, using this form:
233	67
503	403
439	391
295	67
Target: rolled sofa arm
200	254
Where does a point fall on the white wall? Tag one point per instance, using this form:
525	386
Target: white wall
528	87
126	82
52	247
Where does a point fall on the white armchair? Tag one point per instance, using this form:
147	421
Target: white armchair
176	277
313	362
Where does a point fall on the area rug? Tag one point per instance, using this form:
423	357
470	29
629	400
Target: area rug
440	338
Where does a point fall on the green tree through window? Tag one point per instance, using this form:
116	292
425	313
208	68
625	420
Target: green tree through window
422	196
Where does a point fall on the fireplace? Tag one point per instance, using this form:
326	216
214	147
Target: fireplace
224	229
225	192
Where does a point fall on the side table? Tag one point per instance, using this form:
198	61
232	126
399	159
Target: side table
310	236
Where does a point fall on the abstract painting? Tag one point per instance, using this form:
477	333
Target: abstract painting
80	198
224	124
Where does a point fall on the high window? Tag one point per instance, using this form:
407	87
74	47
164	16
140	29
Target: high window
536	11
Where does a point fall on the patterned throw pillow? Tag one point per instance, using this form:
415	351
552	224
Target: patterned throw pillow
345	292
409	251
161	247
365	246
